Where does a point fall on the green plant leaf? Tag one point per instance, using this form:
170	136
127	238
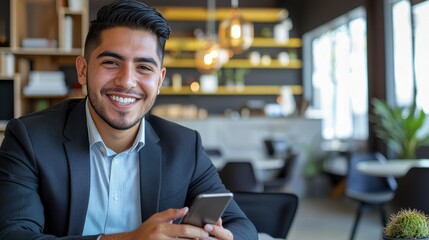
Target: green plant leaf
399	127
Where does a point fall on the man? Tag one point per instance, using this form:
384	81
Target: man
102	167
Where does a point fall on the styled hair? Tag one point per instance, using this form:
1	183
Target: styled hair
128	13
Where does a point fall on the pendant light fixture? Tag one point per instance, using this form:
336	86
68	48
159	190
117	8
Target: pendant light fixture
236	33
211	58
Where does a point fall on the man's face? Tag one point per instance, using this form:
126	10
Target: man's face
123	76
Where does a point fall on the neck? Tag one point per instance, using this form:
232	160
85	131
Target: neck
117	140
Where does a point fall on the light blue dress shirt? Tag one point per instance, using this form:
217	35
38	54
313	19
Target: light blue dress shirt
114	199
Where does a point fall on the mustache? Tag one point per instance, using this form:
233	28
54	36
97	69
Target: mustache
122	90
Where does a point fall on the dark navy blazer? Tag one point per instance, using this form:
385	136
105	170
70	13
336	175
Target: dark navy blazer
45	175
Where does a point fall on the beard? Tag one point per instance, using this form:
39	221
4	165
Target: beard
119	123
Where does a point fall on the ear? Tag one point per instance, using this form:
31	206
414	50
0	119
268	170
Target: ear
81	68
161	78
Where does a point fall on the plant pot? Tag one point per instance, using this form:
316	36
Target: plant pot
388	238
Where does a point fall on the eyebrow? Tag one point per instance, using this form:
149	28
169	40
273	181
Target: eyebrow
122	58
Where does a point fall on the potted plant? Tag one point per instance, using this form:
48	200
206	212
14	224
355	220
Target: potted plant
407	224
400	128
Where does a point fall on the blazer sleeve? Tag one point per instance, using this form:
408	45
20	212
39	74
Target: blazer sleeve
207	179
188	171
21	208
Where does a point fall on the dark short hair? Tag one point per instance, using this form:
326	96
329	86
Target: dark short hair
128	13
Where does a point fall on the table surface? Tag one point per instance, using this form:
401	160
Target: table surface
258	163
392	167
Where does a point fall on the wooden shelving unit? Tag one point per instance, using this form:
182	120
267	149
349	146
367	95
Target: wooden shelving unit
192	44
200	14
180	50
226	90
44	19
234	63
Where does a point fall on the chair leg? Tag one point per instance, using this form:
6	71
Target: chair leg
357	218
383	215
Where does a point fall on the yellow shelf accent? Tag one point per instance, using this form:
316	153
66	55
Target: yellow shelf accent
192	44
200	14
226	90
234	63
270	42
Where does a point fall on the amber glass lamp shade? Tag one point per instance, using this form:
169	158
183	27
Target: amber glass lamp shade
236	33
210	58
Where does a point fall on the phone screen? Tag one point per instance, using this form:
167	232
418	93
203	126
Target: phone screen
207	208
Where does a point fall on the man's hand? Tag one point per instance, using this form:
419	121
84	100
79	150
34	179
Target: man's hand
218	232
159	226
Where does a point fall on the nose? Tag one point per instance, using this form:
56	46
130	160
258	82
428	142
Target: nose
127	77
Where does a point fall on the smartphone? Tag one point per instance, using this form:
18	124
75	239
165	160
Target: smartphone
207	208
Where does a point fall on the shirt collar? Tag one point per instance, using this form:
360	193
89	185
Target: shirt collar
94	135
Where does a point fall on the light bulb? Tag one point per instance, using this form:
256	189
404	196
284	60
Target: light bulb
236	33
210	58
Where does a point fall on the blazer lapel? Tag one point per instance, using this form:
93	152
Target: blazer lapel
150	173
77	151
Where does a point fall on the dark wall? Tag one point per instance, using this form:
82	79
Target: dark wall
4	21
95	5
314	13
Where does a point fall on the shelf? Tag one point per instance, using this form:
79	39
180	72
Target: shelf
5	77
73	93
47	51
192	44
224	90
5	50
234	63
200	14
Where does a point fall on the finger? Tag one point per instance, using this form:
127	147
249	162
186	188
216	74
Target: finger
219	222
218	231
188	231
170	215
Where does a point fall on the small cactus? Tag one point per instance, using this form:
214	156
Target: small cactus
407	224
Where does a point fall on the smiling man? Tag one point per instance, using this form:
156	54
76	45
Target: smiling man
103	167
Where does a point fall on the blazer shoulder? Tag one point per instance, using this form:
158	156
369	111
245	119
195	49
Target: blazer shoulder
52	120
159	123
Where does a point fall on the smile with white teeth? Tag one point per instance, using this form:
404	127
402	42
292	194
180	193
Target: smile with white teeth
123	100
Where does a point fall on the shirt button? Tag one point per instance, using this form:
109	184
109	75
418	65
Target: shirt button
115	197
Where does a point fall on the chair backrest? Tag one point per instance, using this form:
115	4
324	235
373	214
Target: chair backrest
271	213
413	191
360	182
239	176
286	171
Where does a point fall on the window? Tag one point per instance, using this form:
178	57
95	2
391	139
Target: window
409	70
335	76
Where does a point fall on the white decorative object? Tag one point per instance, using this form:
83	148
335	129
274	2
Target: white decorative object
283	58
288	100
10	64
75	5
209	82
255	58
177	82
68	33
266	60
281	31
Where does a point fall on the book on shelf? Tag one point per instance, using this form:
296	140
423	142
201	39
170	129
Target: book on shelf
39	43
46	83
